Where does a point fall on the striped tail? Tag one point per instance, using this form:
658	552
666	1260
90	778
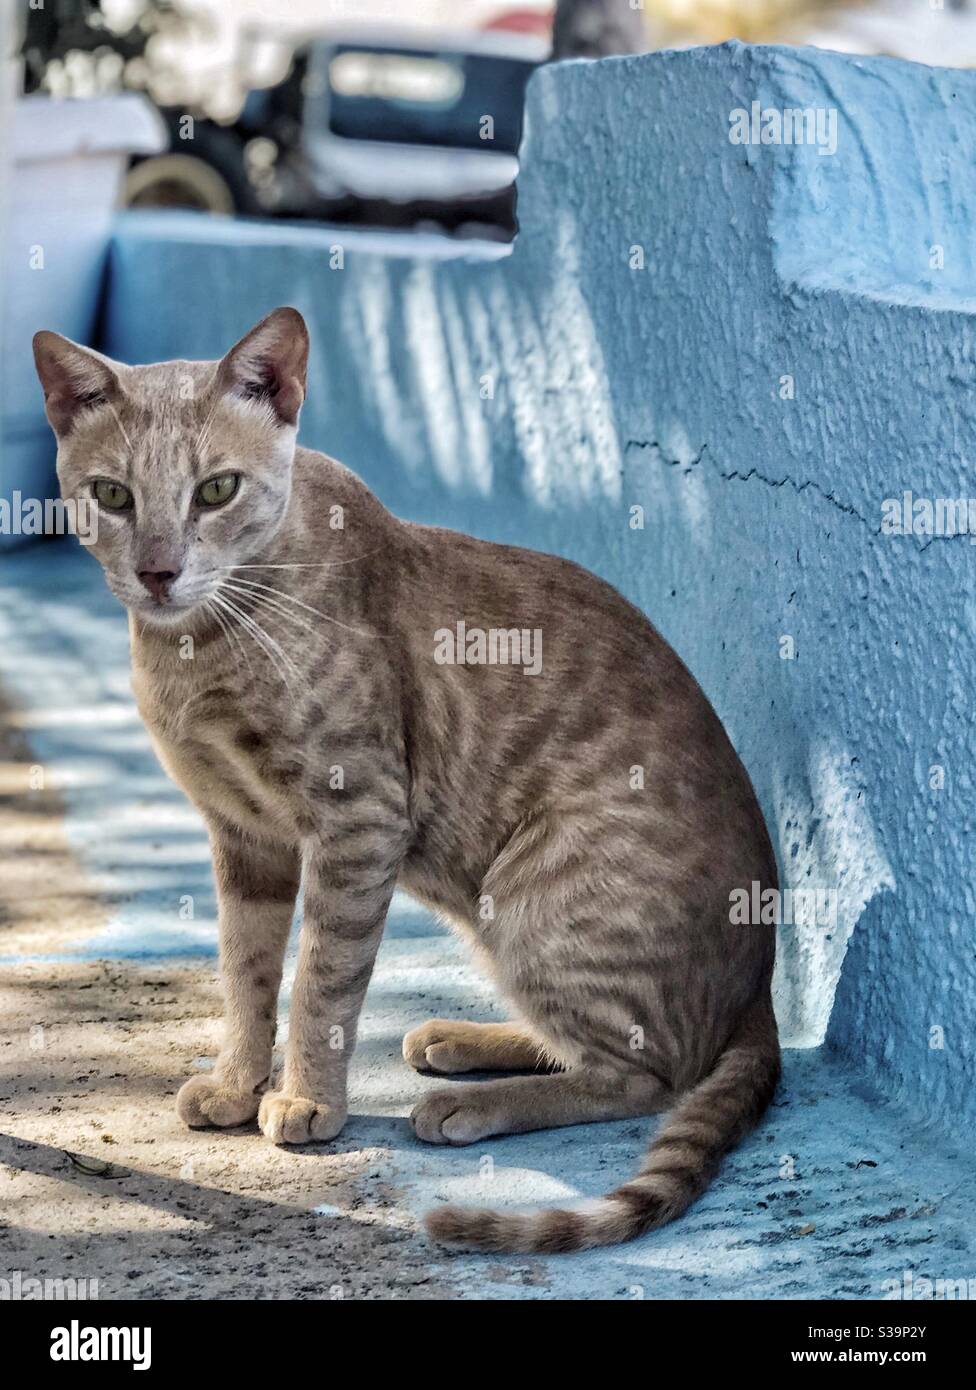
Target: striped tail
680	1163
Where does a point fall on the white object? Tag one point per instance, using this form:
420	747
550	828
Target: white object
63	163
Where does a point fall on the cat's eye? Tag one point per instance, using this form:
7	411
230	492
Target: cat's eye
216	491
112	495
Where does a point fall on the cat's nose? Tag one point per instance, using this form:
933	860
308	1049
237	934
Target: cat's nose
158	581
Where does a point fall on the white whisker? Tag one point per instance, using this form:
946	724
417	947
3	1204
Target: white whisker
263	639
115	413
249	618
202	435
226	627
253	584
273	604
310	565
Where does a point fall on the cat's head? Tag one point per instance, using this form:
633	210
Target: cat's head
188	464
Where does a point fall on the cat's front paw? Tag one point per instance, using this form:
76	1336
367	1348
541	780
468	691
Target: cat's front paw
295	1120
203	1103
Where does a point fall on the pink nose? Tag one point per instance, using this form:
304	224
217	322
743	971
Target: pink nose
158	582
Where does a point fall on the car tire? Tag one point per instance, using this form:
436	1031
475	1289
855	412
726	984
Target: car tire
177	181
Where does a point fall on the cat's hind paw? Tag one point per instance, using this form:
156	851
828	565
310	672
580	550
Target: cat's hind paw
437	1047
295	1120
203	1103
462	1115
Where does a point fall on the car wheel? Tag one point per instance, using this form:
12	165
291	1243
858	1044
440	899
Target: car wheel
177	181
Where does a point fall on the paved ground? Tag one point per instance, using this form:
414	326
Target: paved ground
108	1001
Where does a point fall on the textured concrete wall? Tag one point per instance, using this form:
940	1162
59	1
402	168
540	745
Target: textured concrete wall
789	356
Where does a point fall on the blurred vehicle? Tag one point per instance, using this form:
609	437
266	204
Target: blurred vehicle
939	32
524	21
371	127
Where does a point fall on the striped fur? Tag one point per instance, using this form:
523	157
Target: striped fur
582	825
680	1163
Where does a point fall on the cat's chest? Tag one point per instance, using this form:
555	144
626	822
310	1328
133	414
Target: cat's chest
230	755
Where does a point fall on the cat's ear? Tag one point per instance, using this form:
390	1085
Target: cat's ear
74	379
270	364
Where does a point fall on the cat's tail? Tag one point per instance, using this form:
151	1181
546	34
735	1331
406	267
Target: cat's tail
680	1163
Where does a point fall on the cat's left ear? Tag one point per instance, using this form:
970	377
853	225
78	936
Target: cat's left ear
270	364
74	379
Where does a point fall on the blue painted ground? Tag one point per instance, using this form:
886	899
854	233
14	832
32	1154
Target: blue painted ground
838	1194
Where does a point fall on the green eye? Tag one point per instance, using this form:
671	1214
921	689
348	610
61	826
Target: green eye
215	491
112	495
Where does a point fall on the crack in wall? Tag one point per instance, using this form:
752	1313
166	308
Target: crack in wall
735	475
848	509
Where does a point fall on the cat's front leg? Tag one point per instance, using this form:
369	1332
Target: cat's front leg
345	905
257	884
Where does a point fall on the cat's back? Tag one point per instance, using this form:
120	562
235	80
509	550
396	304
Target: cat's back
582	621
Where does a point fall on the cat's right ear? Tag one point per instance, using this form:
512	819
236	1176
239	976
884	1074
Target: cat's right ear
270	364
74	379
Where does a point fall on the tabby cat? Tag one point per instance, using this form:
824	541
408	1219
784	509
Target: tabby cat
359	714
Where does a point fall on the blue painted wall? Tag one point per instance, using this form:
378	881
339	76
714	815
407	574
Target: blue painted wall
541	397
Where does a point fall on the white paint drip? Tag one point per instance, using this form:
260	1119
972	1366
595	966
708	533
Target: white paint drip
827	840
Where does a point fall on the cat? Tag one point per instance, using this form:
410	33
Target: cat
582	824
